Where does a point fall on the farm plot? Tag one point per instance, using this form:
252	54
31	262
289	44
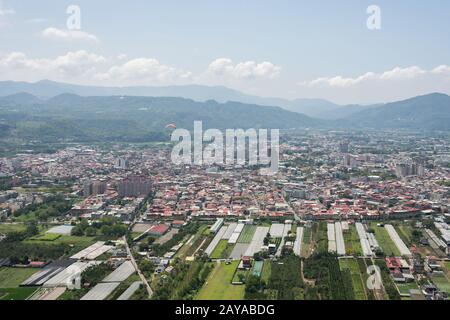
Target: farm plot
13	277
239	251
384	240
401	246
101	291
215	241
92	252
441	282
357	280
352	242
231	228
276	230
16	293
247	234
122	273
286	229
7	228
218	285
219	250
47	237
257	241
306	247
298	241
404	288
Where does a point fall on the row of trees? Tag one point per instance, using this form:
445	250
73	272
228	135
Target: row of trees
107	226
52	207
331	282
22	253
189	229
184	281
31	230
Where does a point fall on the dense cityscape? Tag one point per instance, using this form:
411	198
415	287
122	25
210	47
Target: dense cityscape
126	223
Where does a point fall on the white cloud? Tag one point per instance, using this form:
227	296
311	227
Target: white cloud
68	35
224	67
6	11
71	66
90	68
443	69
395	84
144	71
404	74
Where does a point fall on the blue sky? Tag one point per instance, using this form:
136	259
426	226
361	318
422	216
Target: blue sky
288	48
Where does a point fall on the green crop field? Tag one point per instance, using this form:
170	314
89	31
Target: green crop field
46	237
404	288
247	234
352	242
13	277
219	249
78	243
385	242
218	285
7	228
306	243
16	293
405	233
266	271
441	282
357	280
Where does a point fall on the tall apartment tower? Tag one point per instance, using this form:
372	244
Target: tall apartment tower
121	163
135	186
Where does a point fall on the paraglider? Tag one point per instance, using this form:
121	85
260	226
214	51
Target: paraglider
171	126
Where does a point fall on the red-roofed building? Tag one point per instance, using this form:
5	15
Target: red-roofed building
158	230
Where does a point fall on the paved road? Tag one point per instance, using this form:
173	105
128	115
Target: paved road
141	275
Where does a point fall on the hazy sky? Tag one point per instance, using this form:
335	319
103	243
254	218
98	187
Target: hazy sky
290	48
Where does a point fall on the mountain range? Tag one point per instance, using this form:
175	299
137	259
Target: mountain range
318	108
68	116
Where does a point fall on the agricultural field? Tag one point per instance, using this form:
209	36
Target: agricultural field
331	282
7	228
352	242
385	241
13	277
219	250
79	242
266	271
404	288
218	285
441	282
123	286
357	279
321	236
446	268
189	247
247	234
285	282
46	237
405	233
16	293
306	245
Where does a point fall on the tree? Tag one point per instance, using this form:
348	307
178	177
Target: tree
32	228
77	231
91	232
146	266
